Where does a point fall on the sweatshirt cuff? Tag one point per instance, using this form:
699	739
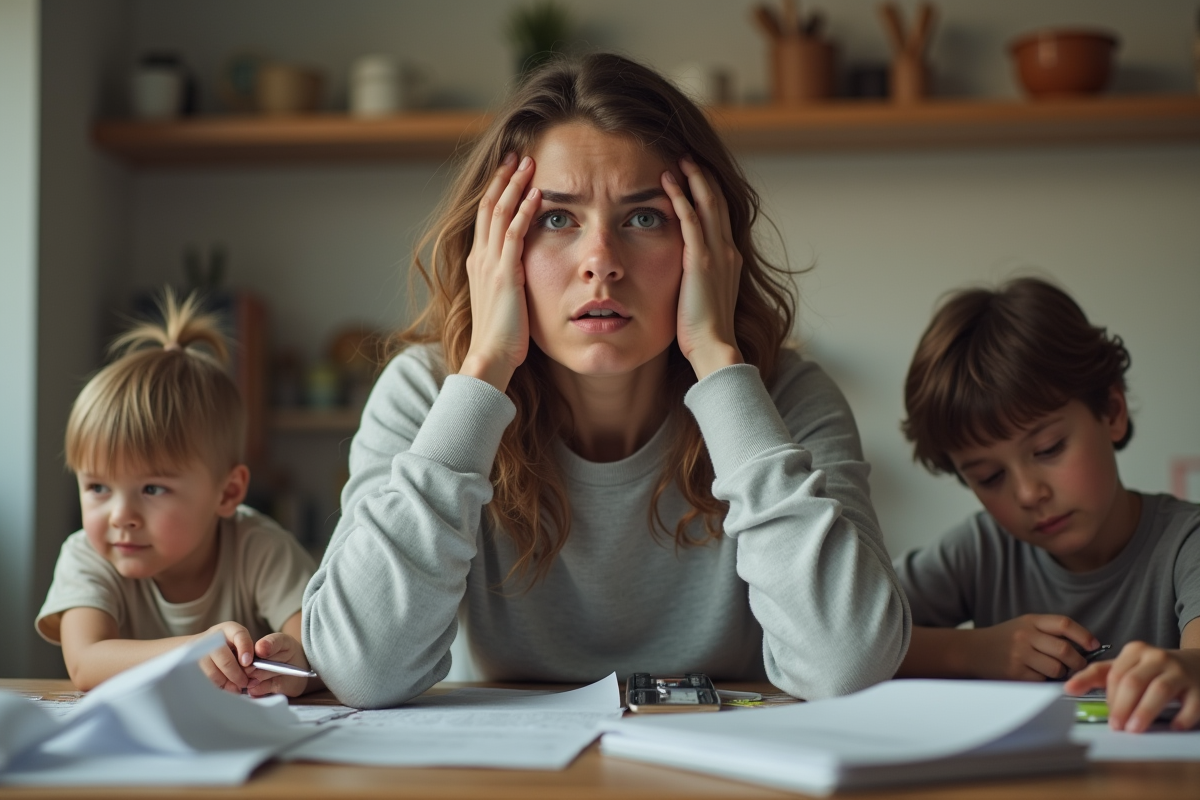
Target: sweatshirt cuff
737	416
464	425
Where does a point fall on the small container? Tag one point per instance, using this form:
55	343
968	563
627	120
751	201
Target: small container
287	89
158	86
1065	62
375	89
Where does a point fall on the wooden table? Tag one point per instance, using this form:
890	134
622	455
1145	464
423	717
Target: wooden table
596	777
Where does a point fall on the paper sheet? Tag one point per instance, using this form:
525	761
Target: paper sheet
498	728
160	723
1157	744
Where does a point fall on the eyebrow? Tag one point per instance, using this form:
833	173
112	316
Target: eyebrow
567	199
1029	435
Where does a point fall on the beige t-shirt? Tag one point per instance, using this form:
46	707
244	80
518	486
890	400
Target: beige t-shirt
259	582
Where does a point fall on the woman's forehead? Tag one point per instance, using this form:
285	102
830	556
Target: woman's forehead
578	159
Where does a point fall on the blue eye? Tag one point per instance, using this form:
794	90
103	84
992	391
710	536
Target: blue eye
555	220
154	490
646	219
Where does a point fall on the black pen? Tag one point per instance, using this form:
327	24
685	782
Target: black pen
1091	654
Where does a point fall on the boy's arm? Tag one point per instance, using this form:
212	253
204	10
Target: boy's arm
1143	679
1032	647
93	652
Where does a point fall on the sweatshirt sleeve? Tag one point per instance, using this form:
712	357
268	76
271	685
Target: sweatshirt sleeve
809	547
380	612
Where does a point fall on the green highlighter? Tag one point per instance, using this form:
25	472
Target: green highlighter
1091	711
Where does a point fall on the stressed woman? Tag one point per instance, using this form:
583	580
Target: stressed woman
594	452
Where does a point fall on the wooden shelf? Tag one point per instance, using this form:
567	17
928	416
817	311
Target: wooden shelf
307	420
838	125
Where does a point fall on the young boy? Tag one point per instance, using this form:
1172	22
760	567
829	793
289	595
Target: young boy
166	552
1019	397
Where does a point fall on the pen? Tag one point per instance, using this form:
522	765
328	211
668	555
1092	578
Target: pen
1091	654
283	669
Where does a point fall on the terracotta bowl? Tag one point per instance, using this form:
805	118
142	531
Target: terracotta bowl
1064	62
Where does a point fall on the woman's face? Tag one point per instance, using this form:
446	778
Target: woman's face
604	253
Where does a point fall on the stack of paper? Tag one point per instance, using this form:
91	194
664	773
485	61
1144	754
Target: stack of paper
898	732
162	722
509	729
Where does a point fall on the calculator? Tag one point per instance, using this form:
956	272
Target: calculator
650	694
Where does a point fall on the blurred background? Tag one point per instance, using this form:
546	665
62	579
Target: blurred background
284	154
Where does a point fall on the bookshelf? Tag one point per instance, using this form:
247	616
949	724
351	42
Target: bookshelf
833	126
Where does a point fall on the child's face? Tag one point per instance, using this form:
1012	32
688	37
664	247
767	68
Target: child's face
1054	484
161	526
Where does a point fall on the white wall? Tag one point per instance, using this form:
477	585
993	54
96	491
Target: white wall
889	232
18	325
84	228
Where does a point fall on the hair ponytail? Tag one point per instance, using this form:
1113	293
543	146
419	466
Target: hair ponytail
165	400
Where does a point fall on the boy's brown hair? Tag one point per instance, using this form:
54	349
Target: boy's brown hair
991	362
166	401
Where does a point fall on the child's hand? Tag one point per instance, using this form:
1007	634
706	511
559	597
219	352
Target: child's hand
278	647
1141	681
1031	648
224	666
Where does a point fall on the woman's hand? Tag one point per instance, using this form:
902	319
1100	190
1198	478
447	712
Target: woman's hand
499	318
278	647
1032	647
1141	681
712	267
225	666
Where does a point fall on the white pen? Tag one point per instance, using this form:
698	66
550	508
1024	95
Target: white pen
283	669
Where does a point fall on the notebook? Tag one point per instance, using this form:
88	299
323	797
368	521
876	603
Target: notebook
899	732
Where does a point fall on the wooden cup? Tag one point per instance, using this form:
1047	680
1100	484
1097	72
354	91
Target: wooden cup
802	70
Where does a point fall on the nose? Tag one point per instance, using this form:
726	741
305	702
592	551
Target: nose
125	515
1031	489
600	259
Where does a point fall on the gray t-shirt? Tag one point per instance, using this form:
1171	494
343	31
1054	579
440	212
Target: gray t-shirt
259	582
799	590
1148	593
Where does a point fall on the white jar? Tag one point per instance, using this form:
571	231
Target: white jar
374	87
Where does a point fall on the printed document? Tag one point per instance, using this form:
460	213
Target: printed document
502	728
899	732
160	723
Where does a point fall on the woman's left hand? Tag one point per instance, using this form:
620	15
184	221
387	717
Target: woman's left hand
712	268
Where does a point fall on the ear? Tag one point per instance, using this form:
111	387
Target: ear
233	490
1117	416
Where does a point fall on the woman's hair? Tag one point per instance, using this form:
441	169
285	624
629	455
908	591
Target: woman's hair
991	362
164	402
620	97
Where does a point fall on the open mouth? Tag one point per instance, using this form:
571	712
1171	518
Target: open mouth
601	313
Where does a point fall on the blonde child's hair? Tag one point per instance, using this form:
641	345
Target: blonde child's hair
164	402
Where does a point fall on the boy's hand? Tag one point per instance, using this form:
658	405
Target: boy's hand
225	666
1031	648
1139	684
278	647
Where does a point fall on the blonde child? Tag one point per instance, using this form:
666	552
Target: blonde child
167	553
1016	394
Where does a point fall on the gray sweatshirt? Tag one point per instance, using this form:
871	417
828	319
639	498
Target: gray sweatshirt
799	590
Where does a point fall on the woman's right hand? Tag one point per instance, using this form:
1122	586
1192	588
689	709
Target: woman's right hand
499	317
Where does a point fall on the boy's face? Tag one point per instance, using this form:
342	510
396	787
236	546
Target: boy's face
1054	483
161	526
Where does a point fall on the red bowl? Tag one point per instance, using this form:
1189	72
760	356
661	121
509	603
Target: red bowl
1064	62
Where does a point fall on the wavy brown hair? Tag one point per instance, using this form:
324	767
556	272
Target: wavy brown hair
993	361
620	97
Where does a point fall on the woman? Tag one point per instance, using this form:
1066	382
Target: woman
527	466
